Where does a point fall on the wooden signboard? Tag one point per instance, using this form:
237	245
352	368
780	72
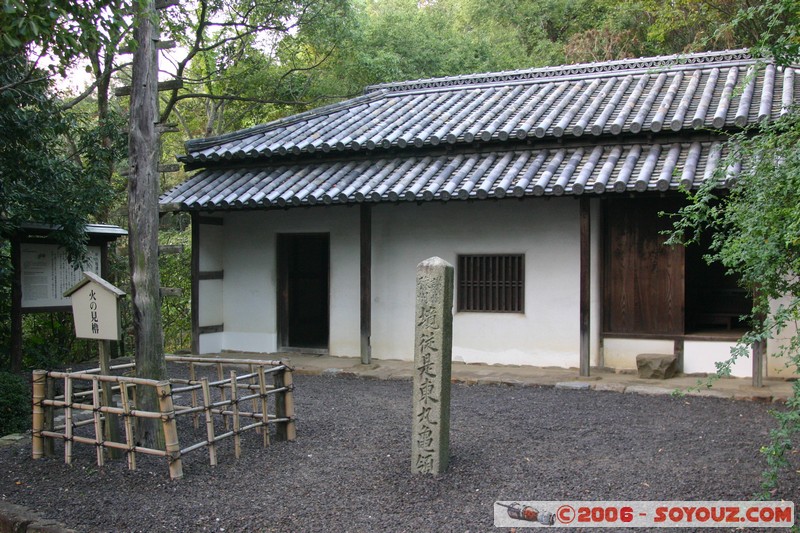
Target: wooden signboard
95	308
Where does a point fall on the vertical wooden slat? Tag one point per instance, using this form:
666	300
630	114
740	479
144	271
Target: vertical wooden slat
16	305
171	444
128	423
220	377
68	420
262	390
195	267
207	401
758	363
585	285
39	387
192	379
98	424
237	439
366	283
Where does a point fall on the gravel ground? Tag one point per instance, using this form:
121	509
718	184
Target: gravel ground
349	469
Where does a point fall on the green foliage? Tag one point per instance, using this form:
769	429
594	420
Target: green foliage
42	151
756	236
176	311
15	404
61	29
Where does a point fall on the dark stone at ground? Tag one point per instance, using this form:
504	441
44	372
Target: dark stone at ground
349	469
655	366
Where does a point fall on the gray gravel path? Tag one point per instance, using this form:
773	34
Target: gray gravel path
349	469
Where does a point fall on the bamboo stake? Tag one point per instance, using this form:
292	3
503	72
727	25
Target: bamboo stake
252	381
98	424
220	377
111	428
50	392
192	379
126	407
39	387
171	444
237	439
212	447
68	420
284	406
262	385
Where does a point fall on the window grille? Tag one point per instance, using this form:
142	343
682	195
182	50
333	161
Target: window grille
491	283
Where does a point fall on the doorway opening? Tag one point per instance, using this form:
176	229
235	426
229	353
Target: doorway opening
303	291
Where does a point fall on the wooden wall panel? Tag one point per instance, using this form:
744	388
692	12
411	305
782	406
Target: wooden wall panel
644	279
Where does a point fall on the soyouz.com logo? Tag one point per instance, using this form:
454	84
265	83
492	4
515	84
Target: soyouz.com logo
618	514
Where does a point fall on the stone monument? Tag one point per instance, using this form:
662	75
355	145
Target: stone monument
433	341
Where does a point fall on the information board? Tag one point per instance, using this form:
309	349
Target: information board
46	274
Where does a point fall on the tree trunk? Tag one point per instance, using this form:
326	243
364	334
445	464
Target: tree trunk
143	221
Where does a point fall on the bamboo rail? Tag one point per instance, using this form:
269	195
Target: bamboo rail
241	400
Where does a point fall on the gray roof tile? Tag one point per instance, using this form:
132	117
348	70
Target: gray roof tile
522	133
552	170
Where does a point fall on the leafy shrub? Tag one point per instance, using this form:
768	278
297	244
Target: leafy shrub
15	404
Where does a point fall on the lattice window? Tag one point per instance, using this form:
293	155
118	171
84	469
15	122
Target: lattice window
491	283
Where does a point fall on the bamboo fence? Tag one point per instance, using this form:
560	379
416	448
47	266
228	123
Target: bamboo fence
232	396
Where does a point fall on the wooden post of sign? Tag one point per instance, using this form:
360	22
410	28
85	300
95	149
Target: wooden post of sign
111	426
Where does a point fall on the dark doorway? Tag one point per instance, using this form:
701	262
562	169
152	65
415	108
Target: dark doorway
303	291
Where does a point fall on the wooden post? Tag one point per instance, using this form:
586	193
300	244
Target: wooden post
758	363
284	406
585	285
68	420
195	268
98	424
129	438
38	393
111	429
171	444
207	401
679	350
237	439
262	391
143	218
366	283
49	423
16	306
433	342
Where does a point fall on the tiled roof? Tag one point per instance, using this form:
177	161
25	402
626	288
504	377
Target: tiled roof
555	170
485	135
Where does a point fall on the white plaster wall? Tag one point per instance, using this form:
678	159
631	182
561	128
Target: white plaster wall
620	354
249	299
211	290
547	232
701	356
596	303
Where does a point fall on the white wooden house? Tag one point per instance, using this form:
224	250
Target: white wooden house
541	186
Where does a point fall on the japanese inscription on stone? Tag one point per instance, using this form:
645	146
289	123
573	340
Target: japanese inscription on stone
430	444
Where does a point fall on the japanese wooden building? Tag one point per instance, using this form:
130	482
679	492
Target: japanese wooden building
543	187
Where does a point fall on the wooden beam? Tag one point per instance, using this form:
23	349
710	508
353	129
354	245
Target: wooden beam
217	328
168	85
167	249
211	221
366	283
171	291
211	274
585	285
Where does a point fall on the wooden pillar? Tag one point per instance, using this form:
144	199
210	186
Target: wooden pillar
585	285
366	283
758	363
16	305
678	351
195	268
